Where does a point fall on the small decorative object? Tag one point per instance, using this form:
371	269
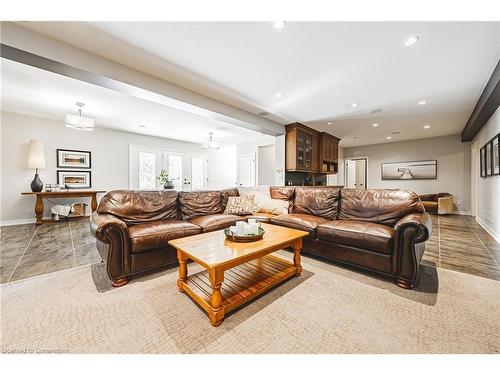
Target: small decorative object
73	159
412	170
240	228
167	182
74	179
36	159
232	236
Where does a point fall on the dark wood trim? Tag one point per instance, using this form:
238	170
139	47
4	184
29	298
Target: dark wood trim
487	104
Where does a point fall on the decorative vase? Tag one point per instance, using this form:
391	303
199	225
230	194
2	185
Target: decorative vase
168	185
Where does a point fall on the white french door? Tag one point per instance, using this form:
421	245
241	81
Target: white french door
187	171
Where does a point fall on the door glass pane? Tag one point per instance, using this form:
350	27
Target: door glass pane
197	173
175	170
147	170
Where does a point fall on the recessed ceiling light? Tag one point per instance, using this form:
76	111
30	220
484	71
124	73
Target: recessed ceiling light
279	25
354	105
422	102
427	127
374	125
411	40
329	123
278	95
389	137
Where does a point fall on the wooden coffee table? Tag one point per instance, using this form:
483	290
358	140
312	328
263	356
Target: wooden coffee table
235	272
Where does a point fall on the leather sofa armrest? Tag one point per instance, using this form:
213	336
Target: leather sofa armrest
445	205
99	224
421	222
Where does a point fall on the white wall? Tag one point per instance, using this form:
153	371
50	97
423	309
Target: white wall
279	160
222	167
337	178
487	193
452	155
110	158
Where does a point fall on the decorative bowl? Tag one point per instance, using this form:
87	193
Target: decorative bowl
246	238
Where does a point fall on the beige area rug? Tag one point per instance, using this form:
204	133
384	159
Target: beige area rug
328	309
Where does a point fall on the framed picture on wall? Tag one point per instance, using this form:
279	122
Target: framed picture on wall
496	154
410	170
73	159
74	179
482	160
489	165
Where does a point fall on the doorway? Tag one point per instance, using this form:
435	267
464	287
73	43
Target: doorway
356	173
187	171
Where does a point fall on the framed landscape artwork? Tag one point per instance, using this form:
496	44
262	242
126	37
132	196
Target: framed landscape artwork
496	154
73	159
410	170
482	160
489	165
74	179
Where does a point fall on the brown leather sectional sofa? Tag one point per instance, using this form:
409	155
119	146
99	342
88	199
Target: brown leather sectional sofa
382	231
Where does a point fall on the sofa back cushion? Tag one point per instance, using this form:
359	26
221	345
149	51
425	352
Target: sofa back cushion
285	193
317	201
200	203
382	206
135	207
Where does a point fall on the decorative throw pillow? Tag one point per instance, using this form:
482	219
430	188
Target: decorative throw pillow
273	206
239	205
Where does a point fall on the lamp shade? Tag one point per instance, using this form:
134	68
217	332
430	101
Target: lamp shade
36	154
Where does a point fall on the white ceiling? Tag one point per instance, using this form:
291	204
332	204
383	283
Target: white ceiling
40	93
321	68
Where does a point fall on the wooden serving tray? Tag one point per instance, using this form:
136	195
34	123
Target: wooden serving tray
246	238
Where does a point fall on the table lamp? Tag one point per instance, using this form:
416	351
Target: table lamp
36	159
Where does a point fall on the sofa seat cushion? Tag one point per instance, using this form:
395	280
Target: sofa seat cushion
362	234
209	223
156	234
303	222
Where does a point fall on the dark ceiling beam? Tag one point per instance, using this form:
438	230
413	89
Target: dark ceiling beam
486	105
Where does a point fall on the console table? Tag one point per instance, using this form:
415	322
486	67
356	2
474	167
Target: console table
40	196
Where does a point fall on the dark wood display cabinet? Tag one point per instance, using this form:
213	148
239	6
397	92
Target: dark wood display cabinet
308	150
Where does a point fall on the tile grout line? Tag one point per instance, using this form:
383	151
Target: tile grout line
482	243
72	242
24	252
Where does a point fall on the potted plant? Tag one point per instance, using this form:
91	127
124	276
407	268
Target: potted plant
167	182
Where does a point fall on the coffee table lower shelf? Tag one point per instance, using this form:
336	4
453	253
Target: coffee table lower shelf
241	283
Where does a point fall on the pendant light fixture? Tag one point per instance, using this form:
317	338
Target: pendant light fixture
78	121
211	144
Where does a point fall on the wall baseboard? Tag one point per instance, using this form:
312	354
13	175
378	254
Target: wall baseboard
488	229
5	223
468	213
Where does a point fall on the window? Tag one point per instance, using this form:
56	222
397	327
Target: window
197	173
147	171
175	170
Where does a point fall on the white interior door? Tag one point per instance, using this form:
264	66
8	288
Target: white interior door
350	168
247	169
189	172
355	173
